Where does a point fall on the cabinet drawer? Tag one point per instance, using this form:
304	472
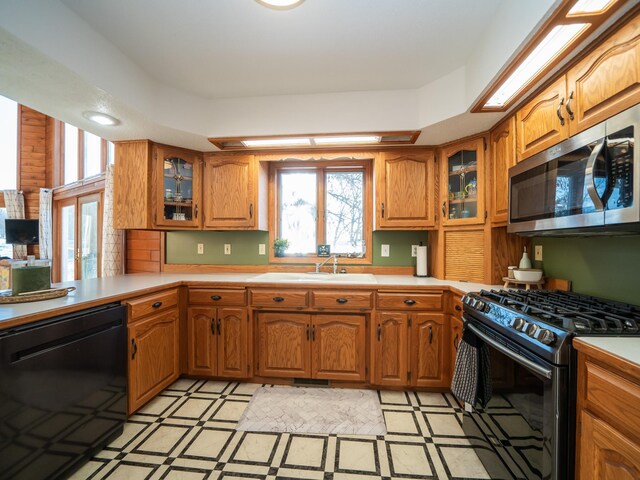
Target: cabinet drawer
217	297
456	306
280	298
140	307
341	299
413	301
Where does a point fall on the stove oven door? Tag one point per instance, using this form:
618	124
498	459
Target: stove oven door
522	431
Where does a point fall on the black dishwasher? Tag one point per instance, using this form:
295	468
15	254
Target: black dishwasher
62	391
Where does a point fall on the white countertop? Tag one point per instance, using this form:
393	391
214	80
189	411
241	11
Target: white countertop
114	288
627	348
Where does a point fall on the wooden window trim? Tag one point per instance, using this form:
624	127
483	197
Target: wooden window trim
322	166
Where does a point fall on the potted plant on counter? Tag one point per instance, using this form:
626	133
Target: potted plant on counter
279	246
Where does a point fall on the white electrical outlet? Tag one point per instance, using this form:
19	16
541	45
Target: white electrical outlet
227	249
538	253
414	250
384	251
262	249
201	249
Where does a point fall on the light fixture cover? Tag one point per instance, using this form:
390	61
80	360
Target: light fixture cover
101	118
583	7
277	142
280	4
342	139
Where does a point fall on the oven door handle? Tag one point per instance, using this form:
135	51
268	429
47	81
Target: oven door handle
539	369
590	180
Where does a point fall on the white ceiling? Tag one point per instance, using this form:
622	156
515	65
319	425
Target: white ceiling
181	71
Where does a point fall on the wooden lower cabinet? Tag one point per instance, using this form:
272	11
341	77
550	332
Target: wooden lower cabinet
429	350
218	342
154	358
456	335
296	345
389	363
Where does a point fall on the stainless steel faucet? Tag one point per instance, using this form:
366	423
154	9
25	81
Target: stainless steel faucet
335	264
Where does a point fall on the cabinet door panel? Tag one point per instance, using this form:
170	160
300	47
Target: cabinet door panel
503	156
284	345
606	454
229	190
153	357
430	350
406	191
390	349
539	123
608	80
201	337
339	345
233	343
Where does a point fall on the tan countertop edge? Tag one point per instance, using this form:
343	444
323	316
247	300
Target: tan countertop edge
90	293
621	352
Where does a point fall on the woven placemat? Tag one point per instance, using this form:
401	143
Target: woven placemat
36	296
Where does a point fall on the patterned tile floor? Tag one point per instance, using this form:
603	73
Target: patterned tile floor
187	433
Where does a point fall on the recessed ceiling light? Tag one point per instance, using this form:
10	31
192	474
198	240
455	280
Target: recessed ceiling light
101	118
557	40
280	4
583	7
342	139
277	142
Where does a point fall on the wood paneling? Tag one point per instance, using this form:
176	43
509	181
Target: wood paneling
502	149
607	81
430	354
339	347
284	345
506	251
131	185
390	355
143	251
464	254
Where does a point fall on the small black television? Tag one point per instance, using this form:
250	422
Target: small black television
21	232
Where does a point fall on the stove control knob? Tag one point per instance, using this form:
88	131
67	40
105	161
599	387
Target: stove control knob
480	305
532	329
546	337
517	323
464	299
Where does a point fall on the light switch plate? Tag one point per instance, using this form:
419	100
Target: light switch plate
538	253
227	249
262	249
384	251
414	250
201	249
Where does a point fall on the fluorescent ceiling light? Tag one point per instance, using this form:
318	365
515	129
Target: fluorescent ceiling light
342	139
558	39
583	7
280	4
277	142
101	118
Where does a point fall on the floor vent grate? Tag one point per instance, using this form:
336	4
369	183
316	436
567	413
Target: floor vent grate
310	382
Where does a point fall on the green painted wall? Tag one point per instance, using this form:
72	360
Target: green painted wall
182	247
607	267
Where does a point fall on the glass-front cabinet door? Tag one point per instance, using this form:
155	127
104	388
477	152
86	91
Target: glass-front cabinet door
178	188
462	197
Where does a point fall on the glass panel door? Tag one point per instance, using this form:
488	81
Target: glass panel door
89	236
67	242
462	168
178	191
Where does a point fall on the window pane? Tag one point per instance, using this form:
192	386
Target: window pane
8	143
344	212
89	240
67	243
70	153
111	152
92	154
5	250
298	211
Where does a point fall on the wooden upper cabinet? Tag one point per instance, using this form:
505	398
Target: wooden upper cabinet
502	148
607	81
462	183
339	347
430	353
405	185
235	193
389	349
284	345
156	186
543	121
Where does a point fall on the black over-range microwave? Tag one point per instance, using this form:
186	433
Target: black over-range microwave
588	184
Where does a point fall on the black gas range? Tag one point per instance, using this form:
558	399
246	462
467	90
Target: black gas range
527	429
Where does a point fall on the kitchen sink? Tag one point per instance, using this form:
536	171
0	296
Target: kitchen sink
312	277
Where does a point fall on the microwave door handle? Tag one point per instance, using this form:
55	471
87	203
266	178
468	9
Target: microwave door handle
590	179
516	357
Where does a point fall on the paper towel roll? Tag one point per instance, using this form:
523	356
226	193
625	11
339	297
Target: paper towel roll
421	262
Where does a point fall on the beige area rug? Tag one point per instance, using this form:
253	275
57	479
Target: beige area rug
314	410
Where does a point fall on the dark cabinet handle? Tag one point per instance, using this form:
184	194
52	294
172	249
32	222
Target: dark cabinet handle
313	333
216	297
213	327
251	210
341	300
568	106
444	208
458	308
157	305
307	333
456	342
382	209
218	326
430	334
135	348
409	301
278	299
196	212
558	111
379	331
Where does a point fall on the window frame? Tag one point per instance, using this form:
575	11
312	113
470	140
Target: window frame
17	159
321	167
104	157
